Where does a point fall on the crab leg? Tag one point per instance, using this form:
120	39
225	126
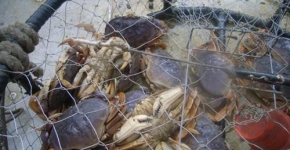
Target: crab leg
72	43
191	108
111	89
126	57
114	41
79	75
89	88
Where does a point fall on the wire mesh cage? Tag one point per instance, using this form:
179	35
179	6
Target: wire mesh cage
157	75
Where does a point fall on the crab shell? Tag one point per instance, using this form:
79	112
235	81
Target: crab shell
215	72
162	72
253	45
209	137
281	50
88	124
262	64
261	43
132	73
214	80
80	126
137	31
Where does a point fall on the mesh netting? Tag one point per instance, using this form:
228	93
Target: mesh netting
207	86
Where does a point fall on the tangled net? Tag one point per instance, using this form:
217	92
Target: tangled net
211	75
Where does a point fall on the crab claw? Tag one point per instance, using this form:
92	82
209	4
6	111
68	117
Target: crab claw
166	100
126	57
118	42
136	123
72	43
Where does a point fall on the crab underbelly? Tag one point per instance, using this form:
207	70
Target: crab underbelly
162	131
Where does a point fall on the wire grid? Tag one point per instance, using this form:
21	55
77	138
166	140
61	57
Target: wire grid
184	34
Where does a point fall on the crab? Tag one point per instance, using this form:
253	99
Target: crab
139	32
148	35
153	69
99	64
253	45
90	123
156	118
261	47
133	97
261	64
281	50
209	138
257	45
158	72
131	74
46	102
215	73
161	73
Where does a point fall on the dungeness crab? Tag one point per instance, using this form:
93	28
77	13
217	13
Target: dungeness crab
156	118
215	73
46	102
139	32
99	64
91	122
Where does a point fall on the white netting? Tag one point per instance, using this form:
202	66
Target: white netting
241	42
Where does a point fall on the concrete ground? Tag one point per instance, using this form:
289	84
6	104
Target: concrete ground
62	25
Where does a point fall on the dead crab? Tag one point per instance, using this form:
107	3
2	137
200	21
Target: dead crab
139	32
98	65
215	73
90	123
156	118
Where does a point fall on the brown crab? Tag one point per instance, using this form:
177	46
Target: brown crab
156	68
253	45
131	74
263	46
215	73
139	32
134	97
46	101
209	138
99	64
90	123
161	72
156	118
263	64
263	42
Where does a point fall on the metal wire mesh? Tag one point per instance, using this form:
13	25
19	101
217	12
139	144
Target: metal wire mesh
186	32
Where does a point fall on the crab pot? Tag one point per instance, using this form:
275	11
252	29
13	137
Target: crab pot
263	129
